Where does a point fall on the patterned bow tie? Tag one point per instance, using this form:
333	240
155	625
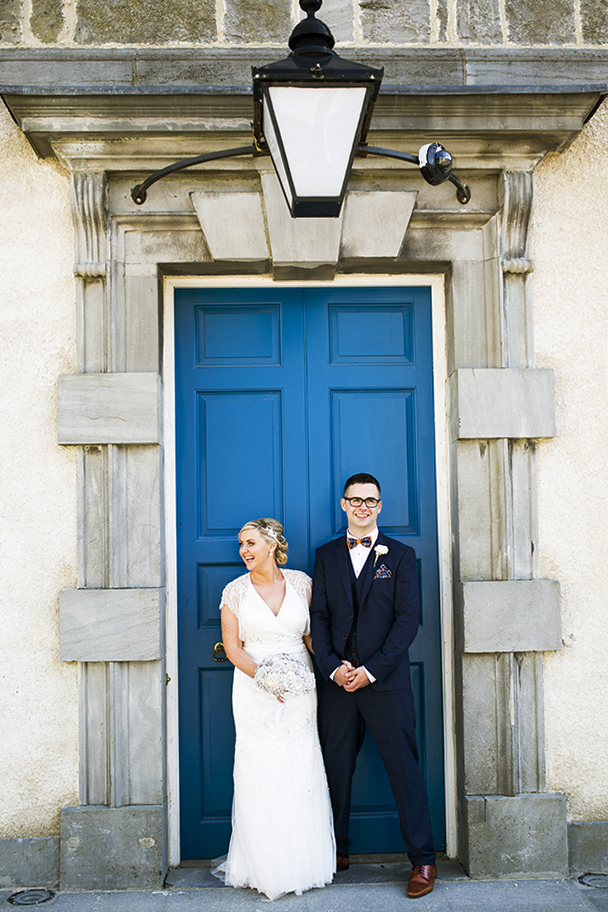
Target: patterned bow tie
353	542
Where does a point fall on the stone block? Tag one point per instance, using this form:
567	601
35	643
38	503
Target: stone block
46	19
530	22
29	862
510	616
519	836
503	402
339	15
106	848
305	242
588	846
402	23
594	17
233	225
265	23
108	408
10	22
375	223
109	625
479	21
145	22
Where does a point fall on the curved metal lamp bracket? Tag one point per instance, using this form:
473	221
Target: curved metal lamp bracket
432	174
139	193
438	176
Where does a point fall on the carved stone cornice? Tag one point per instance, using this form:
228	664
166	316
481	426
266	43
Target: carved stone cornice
89	208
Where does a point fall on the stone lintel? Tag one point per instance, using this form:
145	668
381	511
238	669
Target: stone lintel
519	836
105	848
29	862
117	408
588	846
375	222
503	402
109	625
233	225
509	616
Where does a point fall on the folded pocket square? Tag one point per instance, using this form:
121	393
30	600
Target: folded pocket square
383	572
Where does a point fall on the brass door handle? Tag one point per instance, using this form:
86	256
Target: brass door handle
219	653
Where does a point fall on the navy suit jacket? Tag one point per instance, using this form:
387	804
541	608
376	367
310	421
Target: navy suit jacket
388	616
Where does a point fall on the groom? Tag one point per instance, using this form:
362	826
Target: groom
364	617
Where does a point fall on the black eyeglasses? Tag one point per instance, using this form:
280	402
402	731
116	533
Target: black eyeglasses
370	502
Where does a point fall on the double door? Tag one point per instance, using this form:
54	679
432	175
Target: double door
281	394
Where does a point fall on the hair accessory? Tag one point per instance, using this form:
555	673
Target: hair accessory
268	530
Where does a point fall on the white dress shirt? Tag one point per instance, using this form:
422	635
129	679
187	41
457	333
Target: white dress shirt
358	556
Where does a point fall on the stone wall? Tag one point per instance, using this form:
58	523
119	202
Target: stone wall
570	234
38	694
511	23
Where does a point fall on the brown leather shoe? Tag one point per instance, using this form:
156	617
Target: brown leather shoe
342	863
422	880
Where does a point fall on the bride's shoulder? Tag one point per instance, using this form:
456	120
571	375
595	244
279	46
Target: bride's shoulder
234	590
300	581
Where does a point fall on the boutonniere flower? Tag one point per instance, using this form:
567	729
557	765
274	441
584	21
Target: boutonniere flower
379	550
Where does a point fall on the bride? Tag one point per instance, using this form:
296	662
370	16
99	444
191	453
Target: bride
282	831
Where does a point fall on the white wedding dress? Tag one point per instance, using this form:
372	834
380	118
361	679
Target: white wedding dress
282	829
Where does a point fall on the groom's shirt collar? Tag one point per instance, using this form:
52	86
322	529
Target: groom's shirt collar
359	553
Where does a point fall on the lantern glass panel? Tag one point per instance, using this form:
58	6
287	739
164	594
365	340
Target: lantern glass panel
318	127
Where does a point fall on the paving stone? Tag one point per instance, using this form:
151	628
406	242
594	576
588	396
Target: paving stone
594	16
531	22
520	895
10	21
46	20
479	21
268	22
144	22
384	21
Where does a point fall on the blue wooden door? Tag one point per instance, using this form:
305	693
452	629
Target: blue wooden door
280	395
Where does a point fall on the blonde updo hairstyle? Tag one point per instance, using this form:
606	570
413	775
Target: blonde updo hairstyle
271	531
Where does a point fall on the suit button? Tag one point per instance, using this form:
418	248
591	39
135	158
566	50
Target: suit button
351	616
345	638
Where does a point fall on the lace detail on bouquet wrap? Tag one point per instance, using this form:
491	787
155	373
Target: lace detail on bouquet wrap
283	675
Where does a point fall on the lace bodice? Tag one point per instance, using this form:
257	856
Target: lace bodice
257	624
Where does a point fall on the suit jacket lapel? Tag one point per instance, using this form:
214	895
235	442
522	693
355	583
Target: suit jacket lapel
343	560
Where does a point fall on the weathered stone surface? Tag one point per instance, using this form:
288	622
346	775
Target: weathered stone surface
268	22
524	835
233	225
109	625
403	23
508	402
588	846
375	223
145	21
29	862
106	848
479	21
338	14
46	20
530	22
307	242
108	408
594	16
442	19
10	21
510	616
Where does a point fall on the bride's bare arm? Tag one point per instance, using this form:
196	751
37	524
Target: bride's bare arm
308	642
233	644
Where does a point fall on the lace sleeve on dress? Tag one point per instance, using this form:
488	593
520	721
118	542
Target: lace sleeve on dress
232	595
303	586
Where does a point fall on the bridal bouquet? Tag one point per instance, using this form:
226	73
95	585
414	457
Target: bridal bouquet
283	676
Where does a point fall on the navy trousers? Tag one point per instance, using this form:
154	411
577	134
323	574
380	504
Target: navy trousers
390	717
